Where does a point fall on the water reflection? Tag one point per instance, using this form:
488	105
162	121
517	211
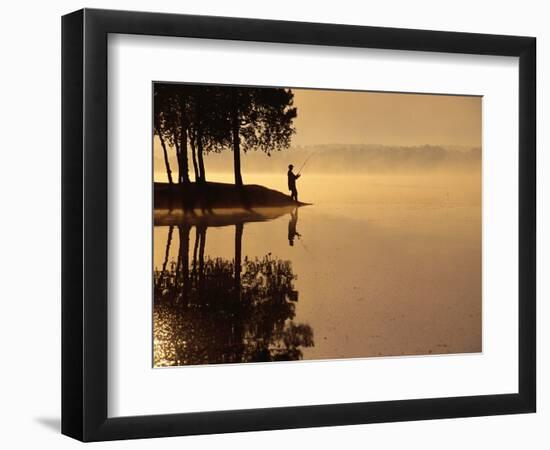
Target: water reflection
416	291
210	310
218	217
292	232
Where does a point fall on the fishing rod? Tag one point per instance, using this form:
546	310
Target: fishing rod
305	162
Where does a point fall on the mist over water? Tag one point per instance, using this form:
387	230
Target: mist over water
381	264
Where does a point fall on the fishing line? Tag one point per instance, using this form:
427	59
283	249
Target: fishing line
305	248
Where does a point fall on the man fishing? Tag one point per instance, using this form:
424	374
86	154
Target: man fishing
292	183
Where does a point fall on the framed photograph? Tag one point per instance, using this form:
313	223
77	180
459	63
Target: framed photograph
273	224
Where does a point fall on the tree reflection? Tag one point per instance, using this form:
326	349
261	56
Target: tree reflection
215	310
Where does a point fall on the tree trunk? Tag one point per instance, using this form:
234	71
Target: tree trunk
236	149
194	153
202	244
178	265
165	153
184	175
238	325
200	149
167	251
195	248
184	231
238	259
162	276
178	159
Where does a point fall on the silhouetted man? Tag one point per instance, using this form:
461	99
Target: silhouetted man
292	183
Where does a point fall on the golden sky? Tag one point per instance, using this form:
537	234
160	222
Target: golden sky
347	117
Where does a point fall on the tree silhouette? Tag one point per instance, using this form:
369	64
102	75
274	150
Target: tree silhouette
170	114
261	119
213	118
274	116
208	124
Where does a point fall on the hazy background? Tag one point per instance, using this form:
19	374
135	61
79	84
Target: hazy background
354	131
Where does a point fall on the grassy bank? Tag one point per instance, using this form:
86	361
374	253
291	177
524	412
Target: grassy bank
218	195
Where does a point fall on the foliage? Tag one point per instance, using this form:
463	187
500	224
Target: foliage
215	118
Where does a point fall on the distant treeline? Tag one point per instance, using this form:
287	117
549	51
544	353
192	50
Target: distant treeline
354	158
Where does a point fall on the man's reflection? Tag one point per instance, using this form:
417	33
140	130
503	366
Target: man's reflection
292	232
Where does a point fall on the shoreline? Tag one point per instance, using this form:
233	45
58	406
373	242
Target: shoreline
212	195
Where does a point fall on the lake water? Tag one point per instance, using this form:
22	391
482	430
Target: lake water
378	265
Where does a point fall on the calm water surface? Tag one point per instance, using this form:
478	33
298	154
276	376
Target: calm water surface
379	265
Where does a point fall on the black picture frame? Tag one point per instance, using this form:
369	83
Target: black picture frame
84	224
